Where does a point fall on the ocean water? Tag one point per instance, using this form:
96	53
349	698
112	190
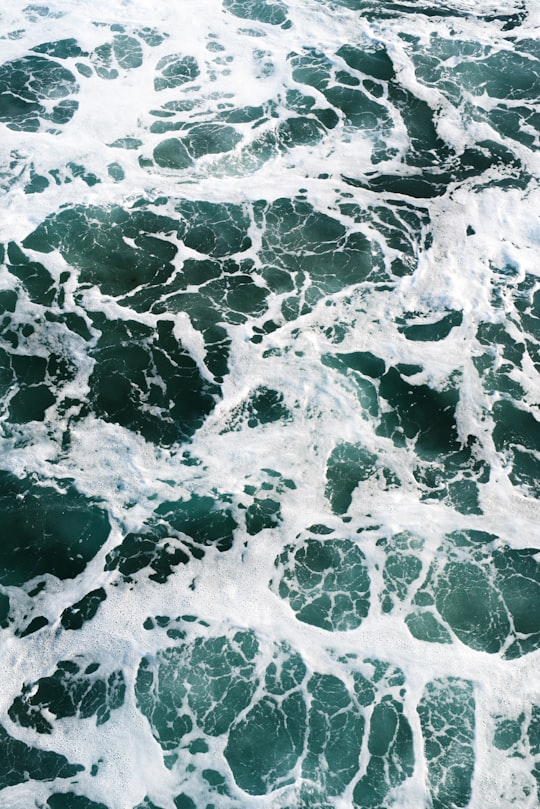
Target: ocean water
270	404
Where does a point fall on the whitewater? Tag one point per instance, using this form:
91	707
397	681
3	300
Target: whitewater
269	404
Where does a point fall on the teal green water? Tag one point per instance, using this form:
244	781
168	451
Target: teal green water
270	444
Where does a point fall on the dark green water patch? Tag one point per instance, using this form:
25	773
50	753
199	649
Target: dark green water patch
30	403
390	744
433	170
114	249
263	406
336	730
206	521
488	154
183	801
501	360
204	139
37	183
30	383
214	229
415	185
508	733
375	63
460	589
326	582
337	720
216	781
265	745
517	436
116	171
196	140
520	123
357	107
35	278
265	11
406	229
464	70
506	74
175	70
454	478
150	548
373	10
46	530
4	610
278	721
144	380
349	465
152	36
305	255
128	51
73	690
264	748
311	68
70	800
402	568
419	413
438	60
447	718
518	579
305	106
242	115
363	361
423	625
126	143
305	242
177	532
300	131
264	512
8	298
172	154
489	597
204	313
88	177
36	90
437	330
533	731
527	303
123	52
83	610
519	734
37	623
209	681
426	147
20	763
232	298
60	49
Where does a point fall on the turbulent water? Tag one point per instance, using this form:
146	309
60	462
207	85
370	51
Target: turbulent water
269	404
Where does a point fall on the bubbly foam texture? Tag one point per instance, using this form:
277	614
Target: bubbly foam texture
300	414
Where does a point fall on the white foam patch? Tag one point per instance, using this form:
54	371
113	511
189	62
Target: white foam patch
131	477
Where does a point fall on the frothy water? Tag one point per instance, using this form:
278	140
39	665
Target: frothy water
270	444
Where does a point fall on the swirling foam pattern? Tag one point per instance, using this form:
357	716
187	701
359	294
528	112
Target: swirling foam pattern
269	411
